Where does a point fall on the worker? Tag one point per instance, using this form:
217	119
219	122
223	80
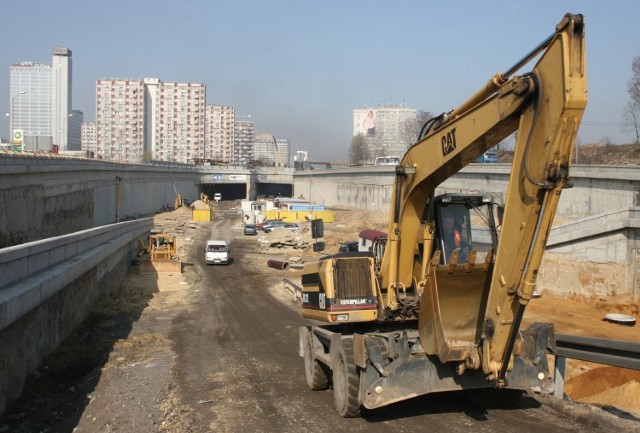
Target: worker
452	239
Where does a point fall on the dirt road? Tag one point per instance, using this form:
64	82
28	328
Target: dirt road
213	350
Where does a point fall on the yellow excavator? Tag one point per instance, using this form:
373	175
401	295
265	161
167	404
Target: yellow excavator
439	306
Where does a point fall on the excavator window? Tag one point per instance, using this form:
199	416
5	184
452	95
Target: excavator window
464	223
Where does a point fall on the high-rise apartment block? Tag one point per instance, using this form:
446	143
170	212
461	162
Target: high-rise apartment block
138	120
220	133
243	142
89	137
120	119
180	115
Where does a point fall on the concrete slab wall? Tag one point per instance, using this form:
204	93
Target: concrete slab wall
597	220
43	197
49	286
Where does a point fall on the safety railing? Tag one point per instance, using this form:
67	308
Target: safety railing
616	353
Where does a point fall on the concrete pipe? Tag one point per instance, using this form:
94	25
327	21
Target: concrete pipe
276	264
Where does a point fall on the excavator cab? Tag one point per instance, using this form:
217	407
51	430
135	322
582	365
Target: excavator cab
464	223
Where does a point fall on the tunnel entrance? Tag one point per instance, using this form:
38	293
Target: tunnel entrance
228	191
274	189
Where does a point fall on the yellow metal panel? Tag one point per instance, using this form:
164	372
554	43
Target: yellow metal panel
326	215
288	215
271	214
201	215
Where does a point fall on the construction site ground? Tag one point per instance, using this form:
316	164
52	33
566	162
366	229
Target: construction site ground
85	387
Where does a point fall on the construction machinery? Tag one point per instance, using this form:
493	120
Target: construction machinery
439	307
163	257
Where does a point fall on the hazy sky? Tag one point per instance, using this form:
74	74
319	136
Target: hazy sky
299	67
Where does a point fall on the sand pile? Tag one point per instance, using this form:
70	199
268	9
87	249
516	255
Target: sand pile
607	386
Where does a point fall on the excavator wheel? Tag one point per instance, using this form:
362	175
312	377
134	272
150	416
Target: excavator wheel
346	381
314	371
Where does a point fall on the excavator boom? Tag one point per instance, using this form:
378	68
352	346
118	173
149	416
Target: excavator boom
545	106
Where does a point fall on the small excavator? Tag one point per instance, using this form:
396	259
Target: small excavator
439	306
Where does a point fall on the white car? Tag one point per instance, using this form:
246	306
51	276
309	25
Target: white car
216	252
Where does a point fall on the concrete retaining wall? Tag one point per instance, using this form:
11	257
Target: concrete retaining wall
597	189
43	197
596	232
49	286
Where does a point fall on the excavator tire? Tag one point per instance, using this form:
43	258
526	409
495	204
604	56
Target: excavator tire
346	382
314	371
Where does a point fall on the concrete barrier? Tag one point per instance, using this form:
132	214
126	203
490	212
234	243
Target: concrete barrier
49	286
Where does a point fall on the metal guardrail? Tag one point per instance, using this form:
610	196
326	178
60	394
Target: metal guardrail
616	353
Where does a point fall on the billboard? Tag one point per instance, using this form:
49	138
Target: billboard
17	139
364	121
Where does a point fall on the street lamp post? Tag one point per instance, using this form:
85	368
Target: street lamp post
13	111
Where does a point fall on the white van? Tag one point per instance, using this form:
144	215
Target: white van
216	252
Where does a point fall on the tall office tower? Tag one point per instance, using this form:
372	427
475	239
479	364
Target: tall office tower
61	99
120	119
180	129
388	130
219	135
243	141
76	118
30	105
89	138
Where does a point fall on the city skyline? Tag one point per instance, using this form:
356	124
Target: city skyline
301	77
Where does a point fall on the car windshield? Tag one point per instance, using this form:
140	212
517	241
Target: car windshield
216	248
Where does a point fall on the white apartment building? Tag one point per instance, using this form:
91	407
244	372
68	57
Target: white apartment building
120	120
180	112
243	140
219	133
89	138
139	120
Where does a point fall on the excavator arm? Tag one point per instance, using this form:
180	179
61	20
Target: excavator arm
545	107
